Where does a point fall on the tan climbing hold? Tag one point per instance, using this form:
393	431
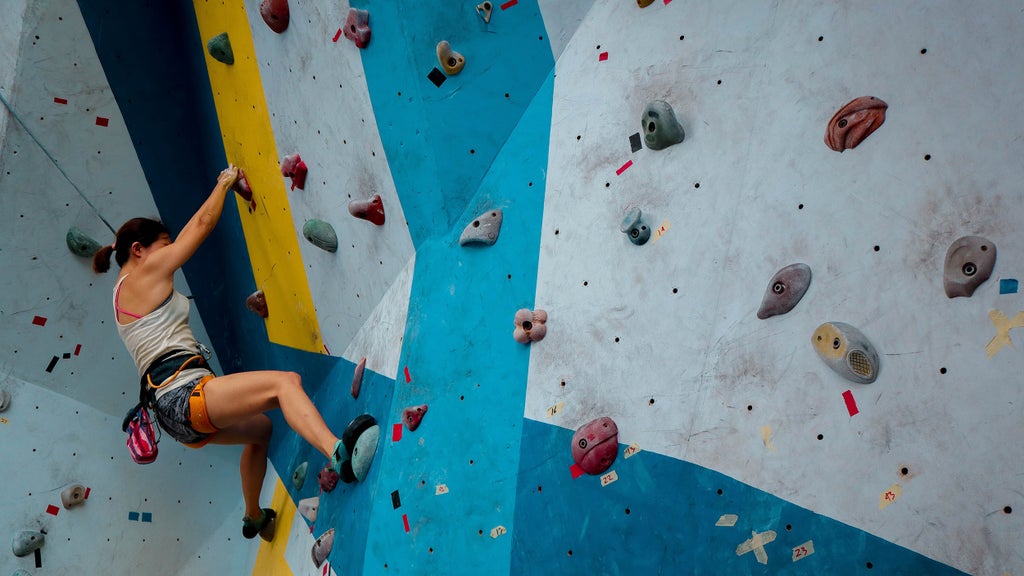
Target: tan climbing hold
644	3
484	10
72	495
451	61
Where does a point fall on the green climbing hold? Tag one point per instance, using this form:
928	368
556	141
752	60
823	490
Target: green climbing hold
363	451
80	244
299	476
220	48
661	129
320	234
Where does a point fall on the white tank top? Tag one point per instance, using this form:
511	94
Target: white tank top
159	332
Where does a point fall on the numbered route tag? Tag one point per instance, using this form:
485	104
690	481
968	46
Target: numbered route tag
498	531
440	489
803	551
631	450
609	478
889	496
661	230
557	408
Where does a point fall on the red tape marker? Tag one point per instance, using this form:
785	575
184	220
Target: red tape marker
78	349
39	321
851	404
667	2
602	56
396	432
624	168
509	4
408	378
87	491
51	509
576	471
101	121
337	35
405	520
61	101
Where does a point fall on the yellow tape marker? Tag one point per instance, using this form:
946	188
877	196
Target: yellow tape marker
270	557
727	520
609	478
1003	326
756	544
556	409
631	450
661	230
4	420
498	531
803	551
440	489
889	496
270	234
766	437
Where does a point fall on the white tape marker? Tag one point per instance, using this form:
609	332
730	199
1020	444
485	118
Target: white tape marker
727	520
803	551
631	450
756	544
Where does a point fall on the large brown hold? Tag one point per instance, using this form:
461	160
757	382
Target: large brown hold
855	122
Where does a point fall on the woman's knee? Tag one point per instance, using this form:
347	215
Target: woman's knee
290	382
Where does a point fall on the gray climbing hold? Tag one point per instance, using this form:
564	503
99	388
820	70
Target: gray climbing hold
634	227
451	61
72	495
320	234
364	450
322	547
27	541
5	400
80	244
660	127
846	351
357	378
219	48
484	10
969	262
307	507
299	475
785	290
483	230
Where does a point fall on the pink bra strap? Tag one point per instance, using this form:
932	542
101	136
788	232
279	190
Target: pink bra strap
117	296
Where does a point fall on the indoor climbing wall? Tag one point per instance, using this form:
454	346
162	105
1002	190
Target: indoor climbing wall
675	287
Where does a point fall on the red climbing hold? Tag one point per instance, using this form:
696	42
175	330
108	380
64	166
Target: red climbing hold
357	27
275	14
242	188
372	209
328	479
293	167
413	415
595	445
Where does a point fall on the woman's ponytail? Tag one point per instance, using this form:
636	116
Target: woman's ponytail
101	259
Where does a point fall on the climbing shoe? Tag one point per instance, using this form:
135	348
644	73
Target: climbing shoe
264	526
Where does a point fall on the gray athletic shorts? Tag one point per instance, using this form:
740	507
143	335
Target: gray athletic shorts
174	415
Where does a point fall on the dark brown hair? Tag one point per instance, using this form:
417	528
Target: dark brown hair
145	231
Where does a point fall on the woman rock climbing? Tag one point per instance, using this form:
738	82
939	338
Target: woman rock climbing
192	405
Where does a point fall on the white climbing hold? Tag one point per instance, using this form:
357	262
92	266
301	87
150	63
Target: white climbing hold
482	230
72	495
5	400
27	541
308	507
322	547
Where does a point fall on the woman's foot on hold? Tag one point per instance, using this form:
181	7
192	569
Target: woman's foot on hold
264	525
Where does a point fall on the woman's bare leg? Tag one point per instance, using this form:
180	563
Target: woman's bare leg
255	434
234	398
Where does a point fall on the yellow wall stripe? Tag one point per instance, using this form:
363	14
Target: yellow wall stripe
270	560
249	143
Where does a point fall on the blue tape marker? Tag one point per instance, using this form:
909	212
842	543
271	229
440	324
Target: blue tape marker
133	516
1008	286
147	516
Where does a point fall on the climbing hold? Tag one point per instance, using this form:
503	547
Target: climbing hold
363	452
634	227
413	415
5	400
660	127
484	10
322	547
220	48
275	14
483	230
320	234
21	572
372	209
242	188
327	479
530	325
357	378
72	495
969	262
846	351
451	61
644	3
357	27
854	122
785	290
257	303
595	445
80	244
293	167
299	475
355	429
308	507
27	541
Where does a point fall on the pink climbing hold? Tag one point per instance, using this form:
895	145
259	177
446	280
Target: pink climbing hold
595	445
242	188
275	14
357	27
293	167
357	378
372	209
328	479
413	415
530	325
